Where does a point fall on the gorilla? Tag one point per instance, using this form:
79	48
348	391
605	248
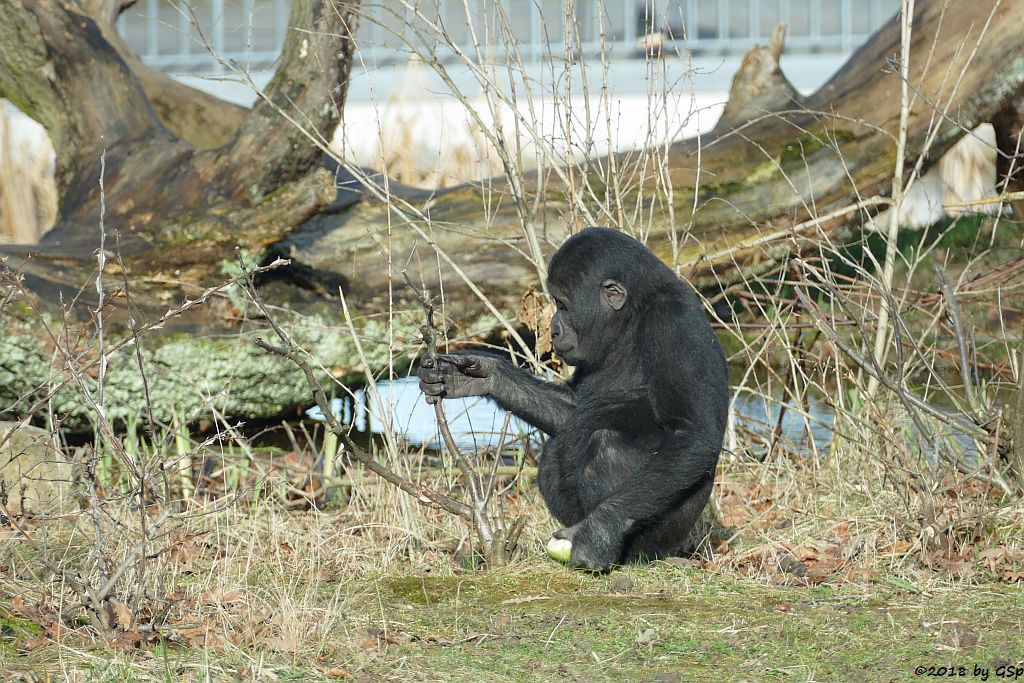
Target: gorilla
636	432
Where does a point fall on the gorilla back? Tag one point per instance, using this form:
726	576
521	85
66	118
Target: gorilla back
636	432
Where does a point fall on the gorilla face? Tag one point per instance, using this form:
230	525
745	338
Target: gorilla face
564	338
580	311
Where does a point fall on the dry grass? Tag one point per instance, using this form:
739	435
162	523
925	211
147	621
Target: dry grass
367	590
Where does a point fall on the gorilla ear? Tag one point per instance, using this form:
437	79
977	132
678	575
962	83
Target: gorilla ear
614	294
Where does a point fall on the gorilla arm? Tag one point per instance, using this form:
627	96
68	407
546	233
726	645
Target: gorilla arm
545	405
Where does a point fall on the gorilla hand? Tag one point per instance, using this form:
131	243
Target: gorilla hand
456	376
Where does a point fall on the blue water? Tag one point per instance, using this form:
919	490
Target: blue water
477	422
760	416
474	422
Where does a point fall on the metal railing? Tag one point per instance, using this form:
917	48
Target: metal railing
178	36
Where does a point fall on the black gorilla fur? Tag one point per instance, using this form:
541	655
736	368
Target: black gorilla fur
636	433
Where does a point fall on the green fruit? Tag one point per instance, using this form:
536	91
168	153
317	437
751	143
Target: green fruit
559	549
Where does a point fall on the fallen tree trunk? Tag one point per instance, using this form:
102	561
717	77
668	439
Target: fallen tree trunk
178	211
777	166
198	118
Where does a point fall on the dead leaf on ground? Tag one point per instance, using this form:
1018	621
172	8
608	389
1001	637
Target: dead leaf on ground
379	636
35	642
129	640
223	595
859	575
997	559
897	548
647	638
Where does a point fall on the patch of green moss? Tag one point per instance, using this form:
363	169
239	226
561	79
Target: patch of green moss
808	144
14	630
720	189
259	200
642	621
185	233
764	172
423	590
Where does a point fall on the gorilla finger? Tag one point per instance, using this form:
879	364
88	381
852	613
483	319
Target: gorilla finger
427	362
467	365
430	376
432	388
459	361
565	533
431	400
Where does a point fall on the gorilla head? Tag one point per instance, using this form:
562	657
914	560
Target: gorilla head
601	280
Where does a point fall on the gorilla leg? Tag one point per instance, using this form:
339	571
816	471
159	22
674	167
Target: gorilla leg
669	535
614	458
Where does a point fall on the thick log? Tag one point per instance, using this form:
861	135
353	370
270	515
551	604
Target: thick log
786	169
178	212
78	89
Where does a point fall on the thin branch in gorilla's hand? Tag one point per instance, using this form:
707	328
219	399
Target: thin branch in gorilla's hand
290	350
476	492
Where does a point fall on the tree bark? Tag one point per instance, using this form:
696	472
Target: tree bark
759	86
1009	127
178	212
783	169
198	118
777	168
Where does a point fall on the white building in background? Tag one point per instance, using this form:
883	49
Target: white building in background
701	42
176	36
